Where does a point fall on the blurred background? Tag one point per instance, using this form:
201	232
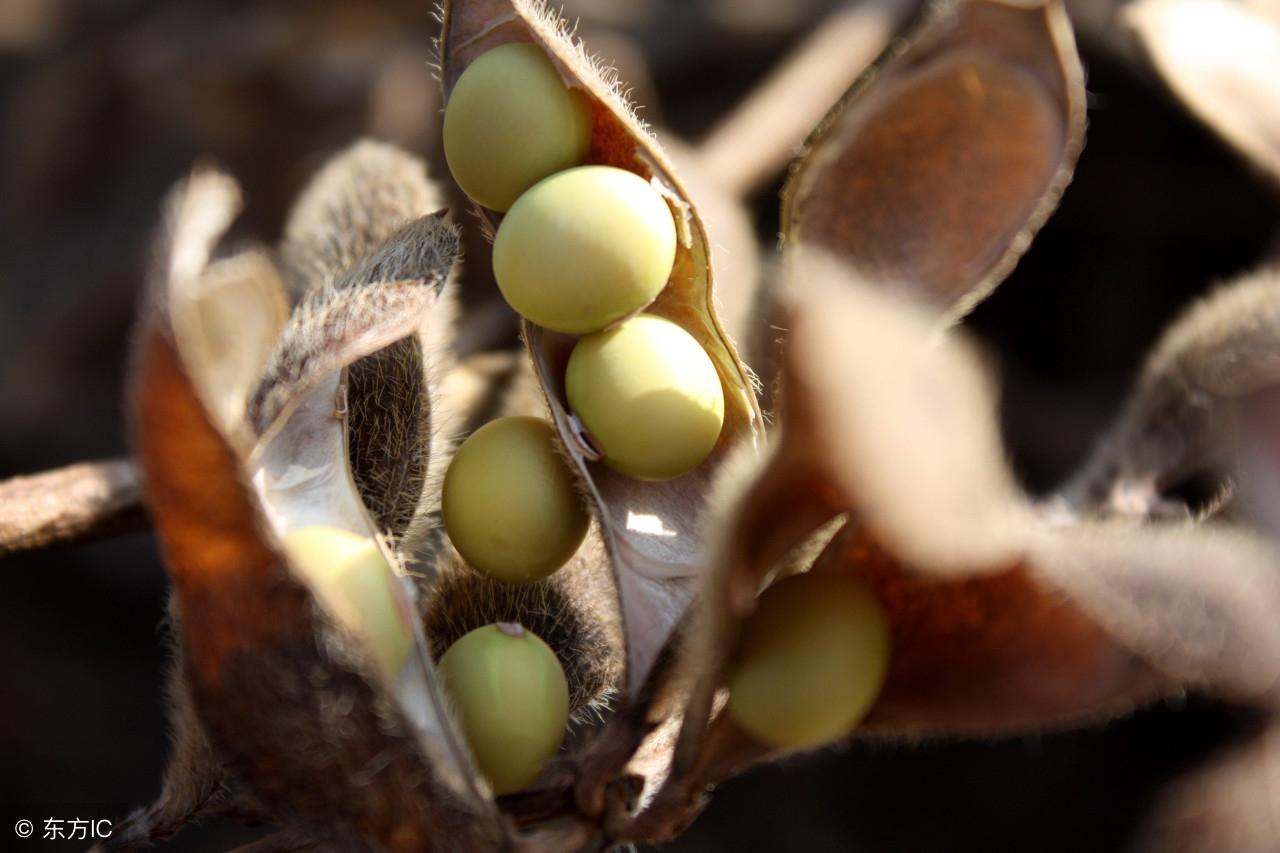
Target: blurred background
105	104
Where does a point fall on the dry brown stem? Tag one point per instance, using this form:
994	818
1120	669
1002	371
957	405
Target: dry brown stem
84	501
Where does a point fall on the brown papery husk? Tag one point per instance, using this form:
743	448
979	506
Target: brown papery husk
1001	621
336	748
936	168
649	529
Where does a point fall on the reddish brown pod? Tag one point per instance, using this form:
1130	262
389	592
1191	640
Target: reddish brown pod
936	169
887	468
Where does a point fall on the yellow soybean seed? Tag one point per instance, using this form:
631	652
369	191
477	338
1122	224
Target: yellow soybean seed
356	585
649	395
510	506
812	661
511	699
584	248
510	122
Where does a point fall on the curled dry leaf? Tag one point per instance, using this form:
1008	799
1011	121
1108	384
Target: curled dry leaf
229	469
1213	365
1000	621
649	530
1220	58
937	167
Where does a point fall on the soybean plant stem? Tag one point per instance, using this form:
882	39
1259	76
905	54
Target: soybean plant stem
85	501
754	142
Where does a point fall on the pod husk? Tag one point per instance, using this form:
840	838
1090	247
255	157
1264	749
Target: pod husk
1003	618
1199	385
935	170
649	529
342	751
356	223
1219	58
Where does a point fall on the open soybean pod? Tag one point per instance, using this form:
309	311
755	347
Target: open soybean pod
1200	408
1000	620
939	164
649	528
244	427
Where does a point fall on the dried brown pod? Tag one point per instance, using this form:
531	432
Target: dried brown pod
937	167
649	529
357	223
228	470
1220	58
1001	619
1204	380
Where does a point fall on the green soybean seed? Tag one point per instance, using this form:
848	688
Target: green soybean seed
357	586
649	396
511	699
510	506
510	122
812	661
584	248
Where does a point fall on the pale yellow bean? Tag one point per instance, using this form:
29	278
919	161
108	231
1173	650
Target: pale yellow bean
649	396
512	701
510	122
584	248
812	661
509	502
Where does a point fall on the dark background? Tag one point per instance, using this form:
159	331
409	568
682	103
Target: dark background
104	104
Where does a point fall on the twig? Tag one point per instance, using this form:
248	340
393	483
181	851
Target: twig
755	141
85	501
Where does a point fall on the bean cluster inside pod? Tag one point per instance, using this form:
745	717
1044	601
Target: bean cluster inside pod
650	529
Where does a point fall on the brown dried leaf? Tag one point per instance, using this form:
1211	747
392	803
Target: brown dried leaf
1222	59
648	528
938	166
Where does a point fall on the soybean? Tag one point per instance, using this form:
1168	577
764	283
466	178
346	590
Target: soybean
584	248
648	395
512	701
357	586
812	660
509	502
510	122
